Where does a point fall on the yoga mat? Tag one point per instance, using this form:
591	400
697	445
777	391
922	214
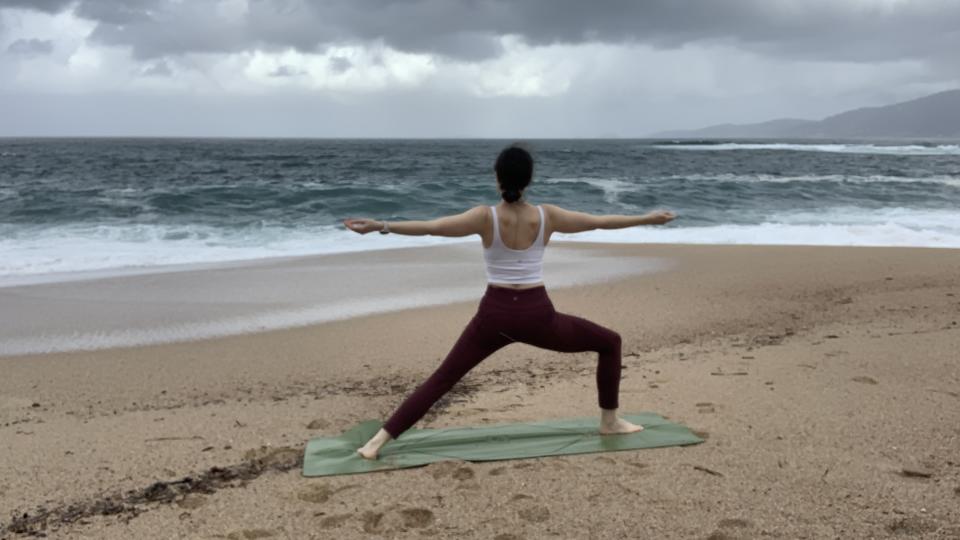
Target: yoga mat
326	456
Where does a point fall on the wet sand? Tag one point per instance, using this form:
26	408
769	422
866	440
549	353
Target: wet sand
826	381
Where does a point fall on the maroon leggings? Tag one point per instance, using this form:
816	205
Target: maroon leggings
506	316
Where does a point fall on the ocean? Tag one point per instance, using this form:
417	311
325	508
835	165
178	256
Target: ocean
74	206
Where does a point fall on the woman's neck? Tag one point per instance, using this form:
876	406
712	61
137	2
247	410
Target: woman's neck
515	204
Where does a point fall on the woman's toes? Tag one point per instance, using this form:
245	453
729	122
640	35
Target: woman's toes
620	426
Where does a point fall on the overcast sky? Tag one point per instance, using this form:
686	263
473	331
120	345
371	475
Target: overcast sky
459	68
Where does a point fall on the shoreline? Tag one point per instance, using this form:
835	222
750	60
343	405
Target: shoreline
196	304
97	274
817	374
190	303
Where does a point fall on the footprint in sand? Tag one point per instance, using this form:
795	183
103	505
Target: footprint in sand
250	534
910	526
321	493
372	522
464	473
534	514
319	423
528	511
497	471
864	379
417	518
192	501
332	522
274	457
705	407
442	469
316	494
729	523
395	521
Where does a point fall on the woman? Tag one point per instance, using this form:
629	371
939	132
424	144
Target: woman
515	307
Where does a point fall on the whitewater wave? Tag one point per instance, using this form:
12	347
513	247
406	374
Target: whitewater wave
59	253
901	150
840	226
612	187
29	253
888	235
953	181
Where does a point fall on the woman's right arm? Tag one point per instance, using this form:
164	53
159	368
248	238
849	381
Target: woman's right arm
570	221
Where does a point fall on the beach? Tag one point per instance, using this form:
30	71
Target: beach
825	380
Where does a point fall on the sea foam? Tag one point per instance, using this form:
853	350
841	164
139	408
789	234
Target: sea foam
72	252
908	150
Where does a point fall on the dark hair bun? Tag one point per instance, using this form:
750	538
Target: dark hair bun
514	169
511	195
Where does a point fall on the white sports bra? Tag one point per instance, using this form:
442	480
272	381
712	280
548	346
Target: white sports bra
506	265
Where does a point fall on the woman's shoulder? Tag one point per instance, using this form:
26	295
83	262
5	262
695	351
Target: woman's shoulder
482	212
551	209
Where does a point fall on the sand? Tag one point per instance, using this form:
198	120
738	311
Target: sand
825	380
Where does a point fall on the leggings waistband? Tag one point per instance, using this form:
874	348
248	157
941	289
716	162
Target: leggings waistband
532	291
503	295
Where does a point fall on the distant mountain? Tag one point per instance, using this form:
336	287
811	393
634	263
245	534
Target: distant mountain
934	116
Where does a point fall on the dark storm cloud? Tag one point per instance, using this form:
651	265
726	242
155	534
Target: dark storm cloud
468	29
31	47
120	12
49	6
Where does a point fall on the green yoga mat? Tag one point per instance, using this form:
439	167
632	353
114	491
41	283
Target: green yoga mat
328	456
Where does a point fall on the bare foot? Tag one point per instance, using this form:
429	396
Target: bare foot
368	453
618	426
372	448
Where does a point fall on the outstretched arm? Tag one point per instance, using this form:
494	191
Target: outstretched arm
569	221
467	223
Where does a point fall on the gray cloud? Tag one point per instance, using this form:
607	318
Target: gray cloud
158	69
286	71
31	47
49	6
468	29
121	12
339	64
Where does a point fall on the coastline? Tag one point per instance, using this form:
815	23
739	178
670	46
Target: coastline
195	302
849	376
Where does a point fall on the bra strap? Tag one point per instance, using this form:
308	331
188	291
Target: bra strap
543	225
496	226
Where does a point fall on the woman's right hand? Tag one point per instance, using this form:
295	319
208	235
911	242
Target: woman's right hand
659	217
362	225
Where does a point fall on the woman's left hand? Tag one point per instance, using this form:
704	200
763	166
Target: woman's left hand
362	225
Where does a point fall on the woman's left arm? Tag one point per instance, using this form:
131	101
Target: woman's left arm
467	223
